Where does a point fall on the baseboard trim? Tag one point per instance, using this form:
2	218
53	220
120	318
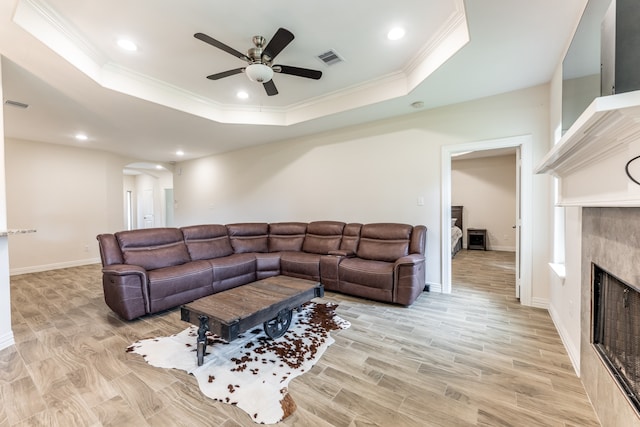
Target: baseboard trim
501	248
434	287
574	354
55	266
7	340
540	303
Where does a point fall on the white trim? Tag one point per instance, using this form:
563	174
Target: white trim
559	269
538	302
435	287
525	143
7	340
501	248
574	353
56	266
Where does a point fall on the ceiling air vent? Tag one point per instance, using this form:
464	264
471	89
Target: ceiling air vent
16	104
330	57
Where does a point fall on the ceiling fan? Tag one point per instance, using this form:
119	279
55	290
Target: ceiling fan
260	59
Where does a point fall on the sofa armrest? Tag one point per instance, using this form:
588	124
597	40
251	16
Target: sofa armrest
409	278
409	259
125	290
341	253
125	269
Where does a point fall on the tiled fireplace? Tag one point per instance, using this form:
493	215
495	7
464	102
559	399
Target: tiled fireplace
591	162
610	240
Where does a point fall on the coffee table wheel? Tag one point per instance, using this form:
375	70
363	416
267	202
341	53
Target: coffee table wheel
276	327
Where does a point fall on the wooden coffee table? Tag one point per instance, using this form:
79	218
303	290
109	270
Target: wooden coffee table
268	301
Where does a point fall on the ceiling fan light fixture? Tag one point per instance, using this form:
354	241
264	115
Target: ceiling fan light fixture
259	73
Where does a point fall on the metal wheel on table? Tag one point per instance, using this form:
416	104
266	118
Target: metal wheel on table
276	327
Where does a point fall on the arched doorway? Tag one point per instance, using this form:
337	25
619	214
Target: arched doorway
148	195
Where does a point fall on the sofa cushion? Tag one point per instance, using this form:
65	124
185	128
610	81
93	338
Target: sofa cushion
267	264
249	237
300	264
286	236
384	241
207	241
323	237
375	274
179	284
153	248
233	270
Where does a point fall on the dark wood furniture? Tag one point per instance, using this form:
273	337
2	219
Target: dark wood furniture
477	238
456	213
268	301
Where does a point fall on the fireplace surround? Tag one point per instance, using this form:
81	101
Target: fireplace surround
611	241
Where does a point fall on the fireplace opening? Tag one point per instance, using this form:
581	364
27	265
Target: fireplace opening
616	330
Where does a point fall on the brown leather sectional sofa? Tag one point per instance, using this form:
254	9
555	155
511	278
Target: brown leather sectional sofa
151	270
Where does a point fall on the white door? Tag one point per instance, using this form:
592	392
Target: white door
147	208
518	219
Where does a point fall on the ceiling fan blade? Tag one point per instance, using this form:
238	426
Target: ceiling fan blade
279	41
213	42
225	74
270	87
297	71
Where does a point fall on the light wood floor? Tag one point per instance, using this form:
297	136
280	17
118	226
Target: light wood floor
475	357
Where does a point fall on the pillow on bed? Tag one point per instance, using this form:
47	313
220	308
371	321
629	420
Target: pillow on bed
453	221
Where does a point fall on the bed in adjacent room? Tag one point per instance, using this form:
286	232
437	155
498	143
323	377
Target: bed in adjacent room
456	230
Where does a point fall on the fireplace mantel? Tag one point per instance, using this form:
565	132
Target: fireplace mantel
590	158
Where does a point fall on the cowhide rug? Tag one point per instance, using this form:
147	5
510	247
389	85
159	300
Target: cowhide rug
253	371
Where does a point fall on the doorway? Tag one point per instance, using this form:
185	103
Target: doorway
523	223
148	192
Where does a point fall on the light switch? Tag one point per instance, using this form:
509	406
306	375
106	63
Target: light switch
420	201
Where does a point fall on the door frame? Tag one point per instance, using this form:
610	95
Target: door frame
525	252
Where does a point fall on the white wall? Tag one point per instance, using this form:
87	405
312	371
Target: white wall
68	194
486	187
369	173
564	292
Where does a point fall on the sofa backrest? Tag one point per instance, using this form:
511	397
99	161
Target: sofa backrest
207	241
418	240
323	237
153	248
350	237
249	237
286	236
109	250
384	241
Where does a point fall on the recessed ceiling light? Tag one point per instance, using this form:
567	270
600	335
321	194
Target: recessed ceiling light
127	45
179	153
242	95
81	137
395	33
159	167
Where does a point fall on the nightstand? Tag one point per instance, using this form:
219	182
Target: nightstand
477	239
